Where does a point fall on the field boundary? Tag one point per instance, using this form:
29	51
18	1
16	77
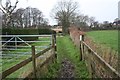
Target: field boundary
97	66
93	59
107	53
32	59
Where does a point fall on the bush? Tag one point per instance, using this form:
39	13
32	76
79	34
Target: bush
18	31
14	31
46	31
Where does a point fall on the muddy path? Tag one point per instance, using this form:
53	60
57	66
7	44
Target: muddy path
66	69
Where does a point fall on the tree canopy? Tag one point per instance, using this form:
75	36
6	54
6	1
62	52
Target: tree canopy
64	11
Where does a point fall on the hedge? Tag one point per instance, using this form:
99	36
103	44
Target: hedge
46	31
11	31
15	31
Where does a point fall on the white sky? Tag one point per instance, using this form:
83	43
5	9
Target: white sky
102	10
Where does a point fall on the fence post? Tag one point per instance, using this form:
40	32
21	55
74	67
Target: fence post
81	47
34	61
90	65
54	44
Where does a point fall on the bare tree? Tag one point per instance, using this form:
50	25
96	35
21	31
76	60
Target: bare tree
63	11
8	10
91	21
27	17
33	17
36	17
81	21
96	24
19	17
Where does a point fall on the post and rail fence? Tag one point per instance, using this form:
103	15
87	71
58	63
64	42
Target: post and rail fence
97	66
34	54
94	56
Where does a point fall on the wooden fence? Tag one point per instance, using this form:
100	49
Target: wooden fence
107	53
32	59
97	66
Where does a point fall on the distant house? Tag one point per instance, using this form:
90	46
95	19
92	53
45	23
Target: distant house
57	29
116	22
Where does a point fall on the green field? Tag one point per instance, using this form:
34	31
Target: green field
108	38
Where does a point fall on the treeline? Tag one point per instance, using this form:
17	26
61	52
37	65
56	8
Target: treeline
86	23
65	12
26	18
106	26
21	18
68	14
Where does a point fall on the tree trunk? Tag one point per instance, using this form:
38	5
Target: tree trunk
65	26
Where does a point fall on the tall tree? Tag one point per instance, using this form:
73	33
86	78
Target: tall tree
63	11
27	17
36	17
81	21
19	17
8	9
91	21
32	17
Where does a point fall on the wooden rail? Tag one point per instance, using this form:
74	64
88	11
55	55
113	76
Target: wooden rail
14	68
94	61
102	62
21	64
97	66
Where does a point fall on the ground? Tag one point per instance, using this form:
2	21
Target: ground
68	64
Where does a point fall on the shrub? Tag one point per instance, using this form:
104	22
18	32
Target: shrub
18	31
15	31
46	31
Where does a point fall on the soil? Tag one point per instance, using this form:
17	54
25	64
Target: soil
66	70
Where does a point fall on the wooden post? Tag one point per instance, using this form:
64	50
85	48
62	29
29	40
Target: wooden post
54	44
34	61
81	47
80	51
90	63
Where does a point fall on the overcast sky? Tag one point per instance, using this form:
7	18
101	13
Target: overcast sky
102	10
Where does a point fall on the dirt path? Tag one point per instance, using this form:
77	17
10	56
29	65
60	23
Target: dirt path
70	65
66	70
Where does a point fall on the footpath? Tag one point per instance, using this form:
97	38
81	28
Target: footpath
68	57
